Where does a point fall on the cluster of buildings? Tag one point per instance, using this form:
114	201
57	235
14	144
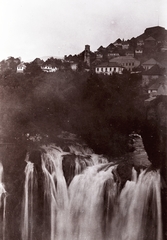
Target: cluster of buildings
17	66
137	55
45	68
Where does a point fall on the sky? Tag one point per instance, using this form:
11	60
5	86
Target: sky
40	28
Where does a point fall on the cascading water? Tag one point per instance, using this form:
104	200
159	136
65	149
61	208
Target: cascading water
28	203
2	205
92	206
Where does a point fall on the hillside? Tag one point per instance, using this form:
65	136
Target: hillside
158	33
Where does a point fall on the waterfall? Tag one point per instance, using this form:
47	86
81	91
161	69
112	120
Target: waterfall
138	211
92	206
28	203
2	204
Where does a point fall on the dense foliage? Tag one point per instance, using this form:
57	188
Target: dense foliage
103	110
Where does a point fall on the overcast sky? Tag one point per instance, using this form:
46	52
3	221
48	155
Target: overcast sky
37	28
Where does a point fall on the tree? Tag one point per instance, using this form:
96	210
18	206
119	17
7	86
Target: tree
33	68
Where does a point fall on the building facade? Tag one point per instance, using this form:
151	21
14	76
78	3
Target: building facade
108	68
127	62
20	68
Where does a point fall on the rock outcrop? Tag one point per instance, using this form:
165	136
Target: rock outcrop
154	136
154	133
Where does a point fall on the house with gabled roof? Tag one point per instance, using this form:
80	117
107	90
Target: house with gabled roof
153	73
149	44
129	53
99	55
118	43
127	62
140	42
150	39
110	47
108	68
150	63
159	87
49	68
101	49
125	45
74	66
164	47
113	53
139	50
20	68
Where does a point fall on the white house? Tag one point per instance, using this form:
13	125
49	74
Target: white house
108	68
127	62
129	53
74	66
49	68
113	53
125	45
164	47
139	50
21	67
99	55
140	42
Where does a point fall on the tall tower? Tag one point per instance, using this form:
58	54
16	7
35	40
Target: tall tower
87	55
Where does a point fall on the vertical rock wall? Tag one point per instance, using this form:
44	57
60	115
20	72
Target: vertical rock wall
154	136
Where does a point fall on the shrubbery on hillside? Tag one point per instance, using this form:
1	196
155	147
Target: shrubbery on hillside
103	110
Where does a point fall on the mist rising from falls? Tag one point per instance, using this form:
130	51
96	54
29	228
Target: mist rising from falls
92	206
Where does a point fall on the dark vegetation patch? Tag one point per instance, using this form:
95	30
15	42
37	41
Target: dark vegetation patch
102	110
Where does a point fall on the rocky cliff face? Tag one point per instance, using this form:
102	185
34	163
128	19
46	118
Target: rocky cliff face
154	133
155	141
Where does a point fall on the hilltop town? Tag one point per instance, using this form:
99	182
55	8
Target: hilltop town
145	54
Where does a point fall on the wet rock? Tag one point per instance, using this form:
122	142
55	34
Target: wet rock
68	165
124	171
154	133
74	164
154	136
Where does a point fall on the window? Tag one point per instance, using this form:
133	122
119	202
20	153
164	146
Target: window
97	69
106	69
114	69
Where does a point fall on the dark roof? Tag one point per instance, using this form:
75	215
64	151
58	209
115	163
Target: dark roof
114	51
96	62
110	46
101	48
150	39
154	28
122	59
155	70
154	86
118	41
109	64
139	48
138	69
157	83
125	42
151	61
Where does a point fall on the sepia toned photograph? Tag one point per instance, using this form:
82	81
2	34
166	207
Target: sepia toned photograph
83	120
